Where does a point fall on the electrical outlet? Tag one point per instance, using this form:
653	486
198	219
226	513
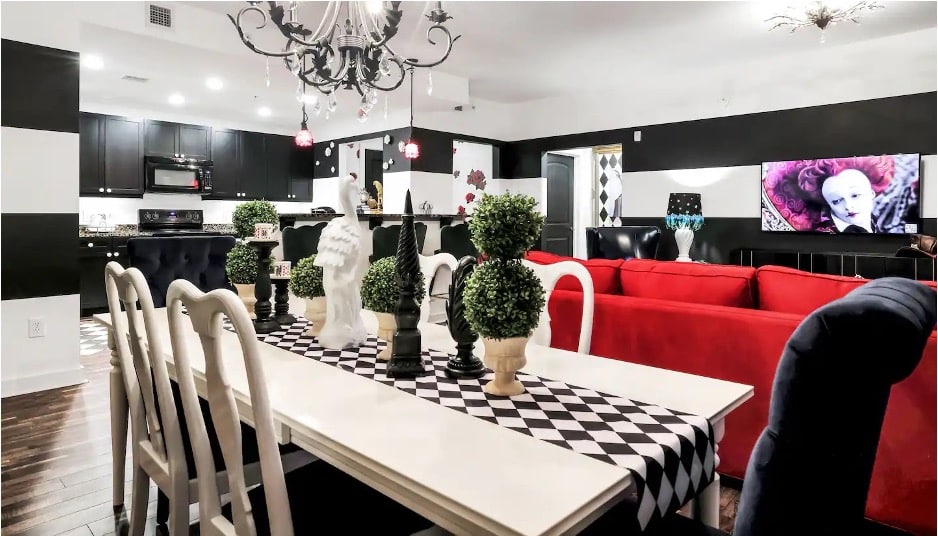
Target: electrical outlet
37	327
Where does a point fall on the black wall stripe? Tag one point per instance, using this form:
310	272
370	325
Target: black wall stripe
436	151
40	255
906	123
717	240
40	87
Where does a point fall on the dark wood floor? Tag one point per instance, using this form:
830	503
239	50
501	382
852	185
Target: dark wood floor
56	463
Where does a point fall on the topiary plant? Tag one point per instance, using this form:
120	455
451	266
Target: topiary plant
380	290
306	279
241	265
250	212
505	226
503	299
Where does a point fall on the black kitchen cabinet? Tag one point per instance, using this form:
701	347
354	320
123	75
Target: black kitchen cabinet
177	140
279	172
253	180
93	255
301	174
123	156
226	161
90	154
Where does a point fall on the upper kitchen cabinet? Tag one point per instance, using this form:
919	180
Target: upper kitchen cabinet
226	163
279	151
176	140
110	155
253	179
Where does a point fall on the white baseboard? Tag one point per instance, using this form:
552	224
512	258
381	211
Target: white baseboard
42	382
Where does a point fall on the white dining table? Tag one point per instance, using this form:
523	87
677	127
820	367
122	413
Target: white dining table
465	474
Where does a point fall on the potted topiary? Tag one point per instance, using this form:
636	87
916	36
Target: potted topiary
380	292
503	298
249	213
241	267
306	282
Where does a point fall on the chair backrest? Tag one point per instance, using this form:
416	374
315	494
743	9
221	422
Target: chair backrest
301	242
429	265
549	274
384	240
828	403
455	240
205	313
627	242
156	428
198	259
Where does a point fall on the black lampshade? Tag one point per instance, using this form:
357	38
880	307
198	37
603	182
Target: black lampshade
684	204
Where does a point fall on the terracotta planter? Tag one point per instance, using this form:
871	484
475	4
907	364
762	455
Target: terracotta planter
387	325
246	293
505	357
316	314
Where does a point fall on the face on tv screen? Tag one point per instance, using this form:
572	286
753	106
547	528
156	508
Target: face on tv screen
865	194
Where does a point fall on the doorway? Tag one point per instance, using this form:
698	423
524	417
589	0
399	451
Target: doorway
373	171
557	236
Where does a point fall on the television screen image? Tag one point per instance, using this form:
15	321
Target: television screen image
860	194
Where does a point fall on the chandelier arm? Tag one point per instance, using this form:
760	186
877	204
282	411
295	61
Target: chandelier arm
400	67
247	42
449	47
291	35
320	31
364	20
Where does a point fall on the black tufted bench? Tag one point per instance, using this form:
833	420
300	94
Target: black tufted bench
198	259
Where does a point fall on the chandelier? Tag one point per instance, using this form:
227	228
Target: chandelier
821	14
354	55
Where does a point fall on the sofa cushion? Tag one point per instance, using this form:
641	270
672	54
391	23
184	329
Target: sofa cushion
605	272
689	282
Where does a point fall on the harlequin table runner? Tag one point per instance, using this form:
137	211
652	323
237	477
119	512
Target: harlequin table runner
670	454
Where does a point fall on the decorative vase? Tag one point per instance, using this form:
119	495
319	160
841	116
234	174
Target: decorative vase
246	293
316	314
684	238
505	357
387	325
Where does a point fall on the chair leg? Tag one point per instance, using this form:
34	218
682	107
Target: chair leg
139	500
179	522
162	507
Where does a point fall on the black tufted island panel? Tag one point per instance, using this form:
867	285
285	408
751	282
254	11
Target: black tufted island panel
198	259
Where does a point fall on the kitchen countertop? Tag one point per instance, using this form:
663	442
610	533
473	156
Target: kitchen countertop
130	230
370	216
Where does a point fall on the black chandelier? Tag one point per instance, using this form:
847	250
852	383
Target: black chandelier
366	61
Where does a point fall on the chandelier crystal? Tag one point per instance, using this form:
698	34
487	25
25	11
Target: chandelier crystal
822	15
356	54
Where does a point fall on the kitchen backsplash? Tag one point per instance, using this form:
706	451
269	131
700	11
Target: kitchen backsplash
116	211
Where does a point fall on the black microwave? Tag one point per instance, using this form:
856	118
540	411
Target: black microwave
178	175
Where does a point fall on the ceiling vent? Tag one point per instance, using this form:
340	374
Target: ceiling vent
132	78
159	16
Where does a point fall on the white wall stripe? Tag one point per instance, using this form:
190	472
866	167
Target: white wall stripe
39	171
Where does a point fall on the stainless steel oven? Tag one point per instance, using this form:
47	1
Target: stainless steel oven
178	175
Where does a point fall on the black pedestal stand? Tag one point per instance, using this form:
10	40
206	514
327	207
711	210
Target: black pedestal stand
262	309
463	364
407	354
282	301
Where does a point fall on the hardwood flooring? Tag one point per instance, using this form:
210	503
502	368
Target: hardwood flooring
55	477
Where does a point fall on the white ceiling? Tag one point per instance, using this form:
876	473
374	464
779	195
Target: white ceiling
509	52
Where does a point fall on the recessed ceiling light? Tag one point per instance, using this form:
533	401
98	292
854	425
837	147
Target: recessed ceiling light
214	83
92	61
263	111
176	99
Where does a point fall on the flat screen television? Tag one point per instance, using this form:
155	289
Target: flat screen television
879	194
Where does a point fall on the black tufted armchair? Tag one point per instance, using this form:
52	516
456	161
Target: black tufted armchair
628	242
198	259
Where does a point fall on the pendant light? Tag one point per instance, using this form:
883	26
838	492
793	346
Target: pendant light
411	149
304	138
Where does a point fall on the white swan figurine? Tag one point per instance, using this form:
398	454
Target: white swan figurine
343	266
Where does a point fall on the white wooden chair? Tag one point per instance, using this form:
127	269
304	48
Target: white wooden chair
312	487
430	267
156	435
549	274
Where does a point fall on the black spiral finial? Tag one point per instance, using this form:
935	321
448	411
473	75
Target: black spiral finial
406	357
463	364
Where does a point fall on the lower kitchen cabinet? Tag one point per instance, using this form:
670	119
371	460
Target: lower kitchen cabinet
93	255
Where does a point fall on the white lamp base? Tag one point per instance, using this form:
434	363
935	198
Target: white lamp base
684	239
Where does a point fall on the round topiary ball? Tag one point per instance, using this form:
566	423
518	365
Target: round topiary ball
306	279
251	212
380	290
503	299
241	265
505	226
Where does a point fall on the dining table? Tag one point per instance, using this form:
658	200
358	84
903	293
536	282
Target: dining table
467	475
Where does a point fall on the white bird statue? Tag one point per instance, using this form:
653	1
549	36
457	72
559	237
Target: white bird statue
343	266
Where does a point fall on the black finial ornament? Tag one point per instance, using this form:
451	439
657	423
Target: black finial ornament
406	357
463	364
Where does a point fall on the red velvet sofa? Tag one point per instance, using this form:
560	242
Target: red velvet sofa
731	323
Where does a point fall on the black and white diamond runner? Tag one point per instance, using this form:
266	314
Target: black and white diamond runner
670	454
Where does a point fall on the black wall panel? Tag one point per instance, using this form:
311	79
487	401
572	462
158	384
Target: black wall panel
40	87
40	255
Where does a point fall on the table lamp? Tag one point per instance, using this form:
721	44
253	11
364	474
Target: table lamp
684	217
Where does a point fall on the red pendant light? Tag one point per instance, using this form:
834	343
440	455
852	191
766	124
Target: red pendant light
304	138
411	149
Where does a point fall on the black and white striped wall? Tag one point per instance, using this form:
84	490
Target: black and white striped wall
39	206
